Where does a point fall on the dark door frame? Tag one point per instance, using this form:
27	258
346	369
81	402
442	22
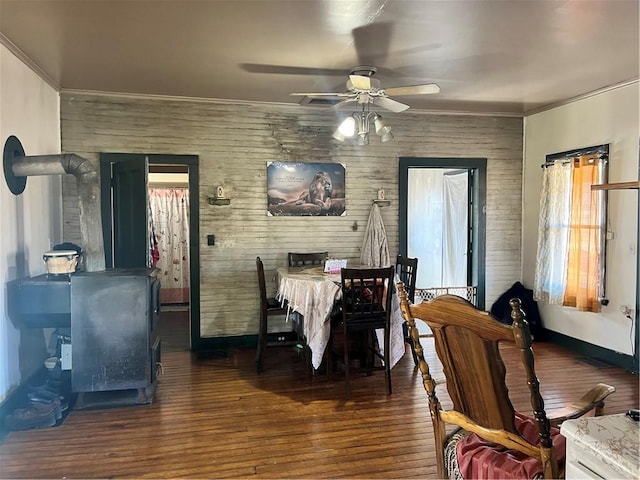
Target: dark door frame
192	162
477	216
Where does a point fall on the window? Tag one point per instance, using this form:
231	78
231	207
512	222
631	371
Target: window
572	230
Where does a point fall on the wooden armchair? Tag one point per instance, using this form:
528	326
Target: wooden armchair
493	440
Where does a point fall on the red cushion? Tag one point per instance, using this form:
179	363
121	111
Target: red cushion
479	459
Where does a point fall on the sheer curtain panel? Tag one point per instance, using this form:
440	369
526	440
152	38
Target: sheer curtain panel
170	214
553	233
572	230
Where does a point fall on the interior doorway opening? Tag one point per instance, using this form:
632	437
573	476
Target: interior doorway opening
442	223
168	191
131	236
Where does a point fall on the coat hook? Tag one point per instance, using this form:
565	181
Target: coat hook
354	227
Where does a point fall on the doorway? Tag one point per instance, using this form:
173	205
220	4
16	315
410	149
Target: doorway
168	193
128	232
442	221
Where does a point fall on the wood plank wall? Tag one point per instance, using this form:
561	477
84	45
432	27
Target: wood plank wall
234	142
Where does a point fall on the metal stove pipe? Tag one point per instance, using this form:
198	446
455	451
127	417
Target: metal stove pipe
88	193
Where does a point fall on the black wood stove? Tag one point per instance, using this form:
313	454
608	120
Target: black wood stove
113	318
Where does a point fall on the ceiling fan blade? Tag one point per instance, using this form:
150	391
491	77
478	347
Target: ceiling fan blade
372	42
360	82
290	70
390	104
319	94
341	104
425	89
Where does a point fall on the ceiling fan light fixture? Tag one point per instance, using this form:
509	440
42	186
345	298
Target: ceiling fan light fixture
380	126
338	136
383	131
348	127
378	123
362	121
359	125
364	90
386	137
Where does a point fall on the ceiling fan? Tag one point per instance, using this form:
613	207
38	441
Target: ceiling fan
363	89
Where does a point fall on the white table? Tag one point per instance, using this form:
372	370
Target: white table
313	293
602	447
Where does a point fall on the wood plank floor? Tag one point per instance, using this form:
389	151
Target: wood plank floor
174	330
216	418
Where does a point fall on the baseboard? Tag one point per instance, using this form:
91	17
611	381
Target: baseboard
590	350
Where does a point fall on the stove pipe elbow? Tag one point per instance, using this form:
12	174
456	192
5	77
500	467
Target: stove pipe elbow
88	195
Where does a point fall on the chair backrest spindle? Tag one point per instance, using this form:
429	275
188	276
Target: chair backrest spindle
407	270
307	259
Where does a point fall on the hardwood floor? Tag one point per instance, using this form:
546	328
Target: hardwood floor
216	418
174	329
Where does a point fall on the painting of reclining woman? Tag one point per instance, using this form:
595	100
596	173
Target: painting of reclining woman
305	189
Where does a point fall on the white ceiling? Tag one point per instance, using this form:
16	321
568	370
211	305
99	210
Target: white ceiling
488	56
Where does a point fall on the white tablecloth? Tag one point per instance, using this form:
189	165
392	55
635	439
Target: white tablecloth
396	340
313	294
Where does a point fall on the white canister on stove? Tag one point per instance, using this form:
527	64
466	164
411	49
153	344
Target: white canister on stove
60	262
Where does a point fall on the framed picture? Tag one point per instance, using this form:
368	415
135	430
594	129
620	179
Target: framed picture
305	189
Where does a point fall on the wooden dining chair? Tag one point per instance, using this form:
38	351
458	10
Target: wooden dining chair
366	306
307	259
491	439
269	306
407	271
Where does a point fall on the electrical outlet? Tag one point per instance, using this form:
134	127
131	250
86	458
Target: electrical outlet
626	311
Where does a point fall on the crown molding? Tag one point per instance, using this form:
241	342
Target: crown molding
584	96
24	58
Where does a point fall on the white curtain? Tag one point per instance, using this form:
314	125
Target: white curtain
455	230
553	233
424	224
437	226
170	217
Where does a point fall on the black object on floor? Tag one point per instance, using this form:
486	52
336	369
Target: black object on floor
44	404
502	310
31	417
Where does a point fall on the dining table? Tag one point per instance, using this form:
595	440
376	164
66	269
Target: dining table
312	293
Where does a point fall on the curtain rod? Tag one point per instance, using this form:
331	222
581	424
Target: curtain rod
549	163
167	185
576	160
601	152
